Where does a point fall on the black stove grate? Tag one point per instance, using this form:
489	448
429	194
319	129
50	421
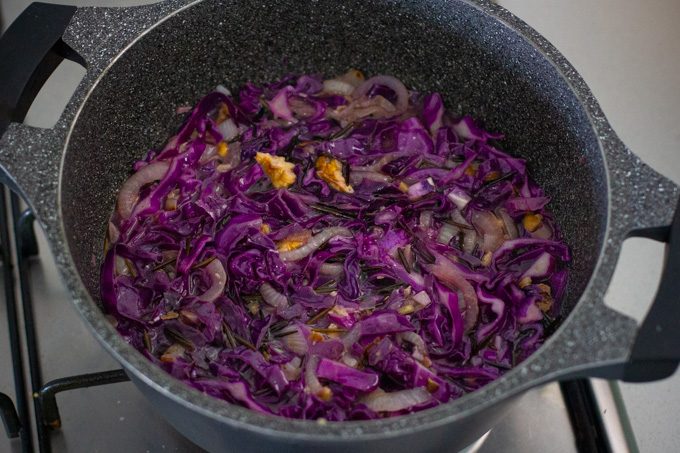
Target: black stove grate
16	419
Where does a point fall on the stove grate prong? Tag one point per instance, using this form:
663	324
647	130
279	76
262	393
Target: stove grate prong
10	417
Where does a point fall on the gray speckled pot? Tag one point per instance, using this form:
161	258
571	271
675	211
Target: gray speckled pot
144	62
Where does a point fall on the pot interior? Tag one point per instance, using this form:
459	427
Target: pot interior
480	66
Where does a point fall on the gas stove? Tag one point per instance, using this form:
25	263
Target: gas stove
627	52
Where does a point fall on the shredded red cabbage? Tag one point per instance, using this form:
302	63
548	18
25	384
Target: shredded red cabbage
340	249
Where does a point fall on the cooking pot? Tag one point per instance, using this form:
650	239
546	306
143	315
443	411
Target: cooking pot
144	62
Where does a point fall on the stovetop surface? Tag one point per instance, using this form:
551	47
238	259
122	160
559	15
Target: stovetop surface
629	54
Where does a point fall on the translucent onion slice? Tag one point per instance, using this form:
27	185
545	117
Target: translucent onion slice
387	81
292	370
447	272
311	380
279	105
337	86
228	129
120	266
224	90
544	265
446	233
273	297
375	107
376	166
356	177
489	228
416	340
469	241
114	233
314	243
426	219
510	225
219	279
457	216
381	401
422	298
171	200
353	77
209	154
543	232
295	342
130	191
333	269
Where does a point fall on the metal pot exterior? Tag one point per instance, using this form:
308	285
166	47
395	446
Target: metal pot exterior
483	61
212	435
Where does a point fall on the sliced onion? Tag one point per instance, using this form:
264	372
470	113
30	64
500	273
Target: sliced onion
279	105
469	241
356	177
228	129
188	317
295	342
375	107
447	272
426	218
489	228
376	166
171	200
446	233
234	155
381	401
422	298
314	243
172	144
543	266
543	232
354	78
457	216
408	254
170	254
333	269
301	108
114	233
130	191
172	353
352	336
224	90
416	340
387	81
119	266
348	360
510	226
292	369
273	297
533	314
209	154
311	381
294	240
337	86
219	280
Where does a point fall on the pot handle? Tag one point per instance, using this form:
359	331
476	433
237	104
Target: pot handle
656	350
604	343
30	51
